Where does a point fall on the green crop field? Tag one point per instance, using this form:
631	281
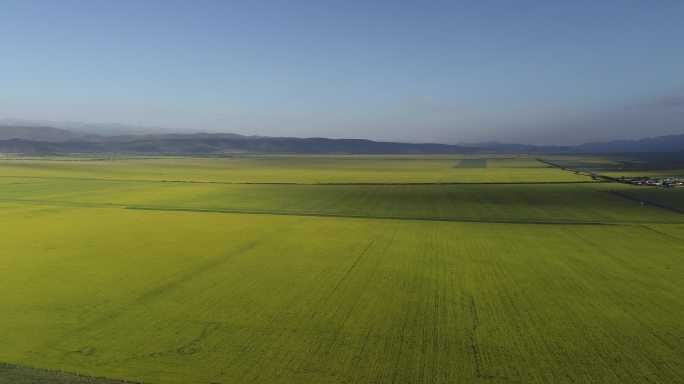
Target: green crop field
336	269
291	169
472	163
634	165
667	197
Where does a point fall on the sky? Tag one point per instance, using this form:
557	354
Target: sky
538	72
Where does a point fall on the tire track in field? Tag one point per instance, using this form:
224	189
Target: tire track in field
171	283
182	279
178	279
615	299
361	290
660	233
409	283
374	271
342	280
400	343
474	346
340	314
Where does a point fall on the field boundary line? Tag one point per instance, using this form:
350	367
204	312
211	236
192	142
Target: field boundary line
595	177
312	184
382	217
81	377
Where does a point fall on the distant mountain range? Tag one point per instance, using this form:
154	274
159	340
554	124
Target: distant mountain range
83	128
54	141
48	134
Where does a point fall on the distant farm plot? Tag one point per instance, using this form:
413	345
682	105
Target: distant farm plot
628	165
655	173
120	274
472	163
264	169
283	169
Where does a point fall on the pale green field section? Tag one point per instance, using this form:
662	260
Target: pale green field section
178	282
190	297
293	169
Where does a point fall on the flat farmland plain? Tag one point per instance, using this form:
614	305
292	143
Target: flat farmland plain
553	203
289	169
157	281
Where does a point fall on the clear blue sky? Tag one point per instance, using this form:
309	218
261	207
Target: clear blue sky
452	71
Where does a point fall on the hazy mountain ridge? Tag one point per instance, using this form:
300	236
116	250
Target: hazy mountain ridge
47	134
97	129
48	140
669	143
